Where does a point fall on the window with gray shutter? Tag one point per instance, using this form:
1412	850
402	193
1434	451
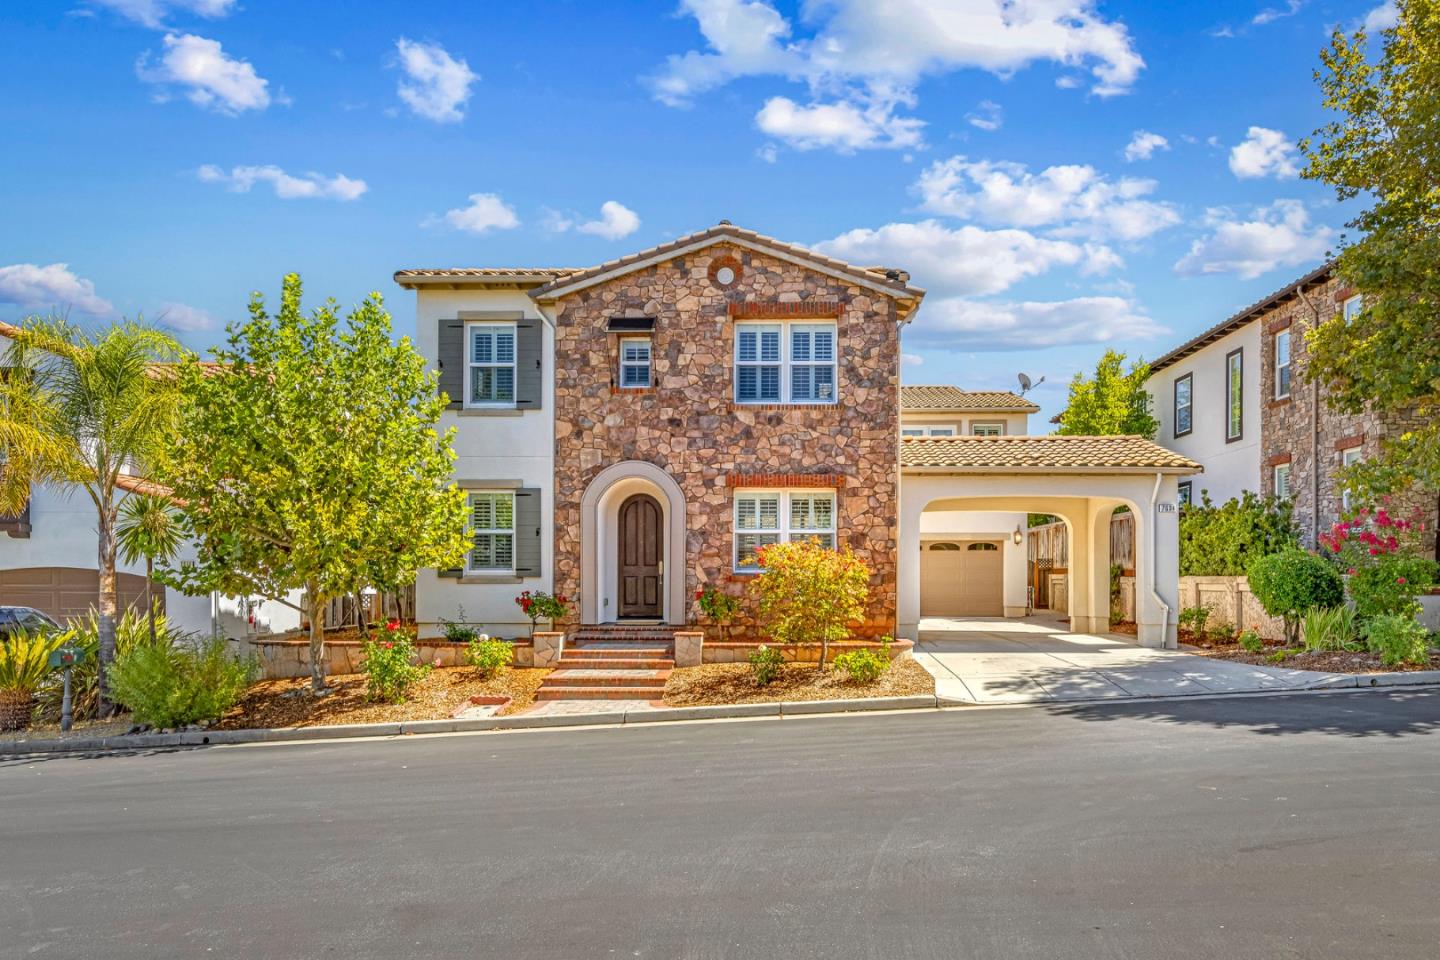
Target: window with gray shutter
529	363
527	532
452	362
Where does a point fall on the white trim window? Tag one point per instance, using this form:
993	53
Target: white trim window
490	372
1282	364
1184	495
1234	395
1184	405
989	428
929	430
1352	307
634	363
785	363
1282	480
492	533
1348	458
765	517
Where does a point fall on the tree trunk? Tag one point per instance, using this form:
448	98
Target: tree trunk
108	607
362	622
824	651
149	599
317	641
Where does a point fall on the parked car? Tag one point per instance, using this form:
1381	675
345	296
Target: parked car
24	618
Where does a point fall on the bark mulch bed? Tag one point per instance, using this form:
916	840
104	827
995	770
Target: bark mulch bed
1343	661
287	702
715	683
50	730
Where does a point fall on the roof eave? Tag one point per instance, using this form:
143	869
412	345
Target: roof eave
1063	470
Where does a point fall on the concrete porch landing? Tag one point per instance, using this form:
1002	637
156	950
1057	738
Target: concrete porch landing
1036	659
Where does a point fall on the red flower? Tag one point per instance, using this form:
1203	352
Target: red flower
389	646
1351	571
392	624
1400	580
699	594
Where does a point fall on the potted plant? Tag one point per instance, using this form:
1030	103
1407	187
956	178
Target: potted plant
538	605
719	608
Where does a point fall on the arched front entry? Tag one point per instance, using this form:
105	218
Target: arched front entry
640	553
632	545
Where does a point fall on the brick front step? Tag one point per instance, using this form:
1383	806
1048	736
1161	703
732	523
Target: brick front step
606	678
653	692
606	650
614	663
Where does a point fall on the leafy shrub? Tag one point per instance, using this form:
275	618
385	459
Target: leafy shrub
719	608
1390	585
765	664
538	605
131	631
810	593
1397	639
1194	619
1223	541
1292	582
167	686
863	665
1382	554
458	631
489	657
1328	628
389	665
1250	642
24	664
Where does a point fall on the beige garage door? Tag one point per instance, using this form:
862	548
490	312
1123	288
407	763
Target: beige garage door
962	578
65	592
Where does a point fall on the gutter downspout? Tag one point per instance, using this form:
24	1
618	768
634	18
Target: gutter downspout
1155	563
1314	438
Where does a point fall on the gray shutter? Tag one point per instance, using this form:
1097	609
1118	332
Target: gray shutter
452	363
528	363
527	532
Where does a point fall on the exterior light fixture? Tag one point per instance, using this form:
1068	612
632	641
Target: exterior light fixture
1018	536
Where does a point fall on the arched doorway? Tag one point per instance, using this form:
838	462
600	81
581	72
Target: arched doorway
641	558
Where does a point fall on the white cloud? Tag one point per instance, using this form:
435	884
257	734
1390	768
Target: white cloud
844	125
54	286
987	115
1074	199
181	316
286	186
966	260
1382	17
1280	235
767	152
616	221
1271	14
869	57
1264	153
1143	144
211	79
437	86
911	360
486	212
152	13
969	325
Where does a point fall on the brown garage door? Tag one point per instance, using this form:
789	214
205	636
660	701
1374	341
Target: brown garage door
962	578
65	592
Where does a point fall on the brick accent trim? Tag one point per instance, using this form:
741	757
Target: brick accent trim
826	480
1345	293
774	310
1283	401
630	391
1278	459
726	261
1275	326
1350	442
781	407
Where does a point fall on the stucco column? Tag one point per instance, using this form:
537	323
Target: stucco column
907	568
1157	567
1097	585
1079	533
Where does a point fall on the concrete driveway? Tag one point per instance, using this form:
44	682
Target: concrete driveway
1036	659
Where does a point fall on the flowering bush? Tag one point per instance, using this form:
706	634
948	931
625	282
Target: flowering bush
487	656
765	664
810	593
389	663
1380	554
717	607
539	605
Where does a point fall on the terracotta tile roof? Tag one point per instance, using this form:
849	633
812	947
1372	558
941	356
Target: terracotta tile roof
1042	454
944	399
536	274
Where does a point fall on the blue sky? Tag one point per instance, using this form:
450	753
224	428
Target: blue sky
1063	177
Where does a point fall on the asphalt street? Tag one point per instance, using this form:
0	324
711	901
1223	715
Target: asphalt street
1279	827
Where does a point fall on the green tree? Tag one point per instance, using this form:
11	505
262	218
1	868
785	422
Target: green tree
810	593
308	458
1384	146
148	529
1112	403
82	409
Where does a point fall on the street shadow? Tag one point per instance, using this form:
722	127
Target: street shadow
26	759
1360	713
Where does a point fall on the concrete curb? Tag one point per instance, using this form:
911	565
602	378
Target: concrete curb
202	738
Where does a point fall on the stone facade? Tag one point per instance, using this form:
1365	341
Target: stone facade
1305	432
688	425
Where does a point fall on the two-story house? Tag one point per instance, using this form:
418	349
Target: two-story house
1237	399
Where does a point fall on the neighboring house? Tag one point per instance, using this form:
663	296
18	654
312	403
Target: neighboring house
1236	399
631	433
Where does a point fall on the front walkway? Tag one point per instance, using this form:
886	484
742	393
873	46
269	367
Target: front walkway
1036	659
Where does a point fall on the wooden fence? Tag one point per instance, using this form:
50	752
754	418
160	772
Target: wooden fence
1048	552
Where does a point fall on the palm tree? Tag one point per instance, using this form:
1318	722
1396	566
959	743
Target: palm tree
148	528
85	409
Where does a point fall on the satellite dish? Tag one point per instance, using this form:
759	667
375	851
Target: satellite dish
1026	386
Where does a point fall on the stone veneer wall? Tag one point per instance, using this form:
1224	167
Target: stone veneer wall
1286	425
688	426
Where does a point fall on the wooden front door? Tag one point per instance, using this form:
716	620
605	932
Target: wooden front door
642	573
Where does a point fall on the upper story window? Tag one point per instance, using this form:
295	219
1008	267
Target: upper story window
1282	364
1352	307
1184	405
987	429
928	430
490	370
1282	480
1348	458
785	363
634	362
773	516
492	533
1234	395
